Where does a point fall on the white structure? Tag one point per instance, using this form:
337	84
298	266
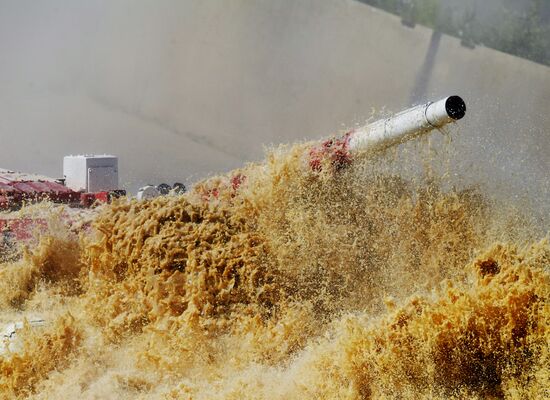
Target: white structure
407	124
91	173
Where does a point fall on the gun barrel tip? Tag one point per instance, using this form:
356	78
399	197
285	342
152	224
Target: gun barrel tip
456	107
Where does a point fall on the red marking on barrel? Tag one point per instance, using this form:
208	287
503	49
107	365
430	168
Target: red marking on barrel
237	181
336	150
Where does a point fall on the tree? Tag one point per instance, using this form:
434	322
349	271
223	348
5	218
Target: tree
521	33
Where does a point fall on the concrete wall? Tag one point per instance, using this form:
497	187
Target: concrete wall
180	89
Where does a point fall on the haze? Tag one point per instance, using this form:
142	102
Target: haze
182	89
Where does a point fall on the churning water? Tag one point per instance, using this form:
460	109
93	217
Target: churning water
363	283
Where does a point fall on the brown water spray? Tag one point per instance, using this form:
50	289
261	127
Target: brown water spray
356	284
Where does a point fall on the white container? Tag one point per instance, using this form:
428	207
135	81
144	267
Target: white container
91	173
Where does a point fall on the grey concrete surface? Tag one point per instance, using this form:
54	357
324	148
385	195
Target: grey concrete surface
183	89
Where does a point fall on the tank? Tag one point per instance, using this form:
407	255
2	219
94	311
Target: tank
382	134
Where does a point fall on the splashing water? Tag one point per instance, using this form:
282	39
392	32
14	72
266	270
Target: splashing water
359	284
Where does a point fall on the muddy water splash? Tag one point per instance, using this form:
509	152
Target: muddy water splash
359	284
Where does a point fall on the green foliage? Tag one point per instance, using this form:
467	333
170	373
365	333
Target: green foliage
521	33
426	12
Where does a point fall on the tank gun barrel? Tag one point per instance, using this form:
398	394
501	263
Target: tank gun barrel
337	153
387	132
407	124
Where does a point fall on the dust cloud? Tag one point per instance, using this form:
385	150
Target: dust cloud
272	281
